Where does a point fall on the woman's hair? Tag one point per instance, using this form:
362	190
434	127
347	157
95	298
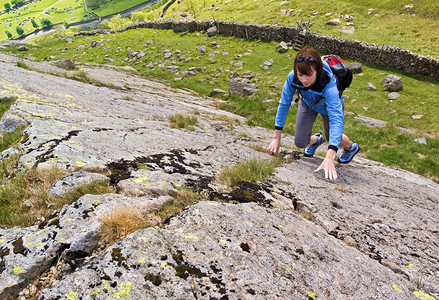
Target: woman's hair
304	66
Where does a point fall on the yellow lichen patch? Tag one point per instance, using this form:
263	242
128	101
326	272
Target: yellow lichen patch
141	260
396	288
140	179
80	164
223	243
191	237
71	295
212	203
163	265
38	244
312	295
2	240
17	270
409	265
422	295
288	269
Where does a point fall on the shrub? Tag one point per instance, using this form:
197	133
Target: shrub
19	30
8	34
45	22
117	22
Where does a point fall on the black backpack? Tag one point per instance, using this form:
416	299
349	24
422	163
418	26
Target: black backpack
340	70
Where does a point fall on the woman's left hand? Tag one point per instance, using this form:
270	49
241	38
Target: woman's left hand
328	165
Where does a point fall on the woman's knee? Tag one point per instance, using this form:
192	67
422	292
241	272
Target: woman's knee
301	143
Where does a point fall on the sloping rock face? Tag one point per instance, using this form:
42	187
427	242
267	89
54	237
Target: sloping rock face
372	234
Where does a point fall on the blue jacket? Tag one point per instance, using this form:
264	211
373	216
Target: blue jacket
322	97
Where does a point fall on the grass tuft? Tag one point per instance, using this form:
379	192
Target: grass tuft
180	121
120	222
250	170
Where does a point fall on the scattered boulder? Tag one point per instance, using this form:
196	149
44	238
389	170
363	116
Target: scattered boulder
370	122
10	122
216	92
241	89
347	29
333	22
94	44
282	47
371	87
65	64
75	180
202	49
22	48
421	141
392	83
355	68
417	117
393	96
212	31
7	98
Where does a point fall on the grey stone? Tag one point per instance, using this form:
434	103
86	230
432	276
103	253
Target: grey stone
202	49
421	140
370	122
10	122
333	22
212	31
355	68
392	83
65	64
216	92
74	181
347	29
241	89
23	48
371	87
7	98
282	47
393	96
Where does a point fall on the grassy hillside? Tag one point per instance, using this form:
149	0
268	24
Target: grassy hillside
411	26
68	11
387	144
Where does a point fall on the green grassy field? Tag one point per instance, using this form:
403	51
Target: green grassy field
68	11
387	144
114	6
390	22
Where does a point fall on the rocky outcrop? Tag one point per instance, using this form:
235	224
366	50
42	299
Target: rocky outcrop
372	234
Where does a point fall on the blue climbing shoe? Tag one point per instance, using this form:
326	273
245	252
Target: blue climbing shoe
311	149
348	154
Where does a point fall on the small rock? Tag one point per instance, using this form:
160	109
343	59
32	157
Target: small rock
333	22
393	96
421	140
212	31
355	68
392	83
417	117
371	87
216	92
282	47
65	64
7	98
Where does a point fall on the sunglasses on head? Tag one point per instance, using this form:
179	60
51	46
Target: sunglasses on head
306	58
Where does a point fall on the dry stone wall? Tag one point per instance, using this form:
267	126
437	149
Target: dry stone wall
383	55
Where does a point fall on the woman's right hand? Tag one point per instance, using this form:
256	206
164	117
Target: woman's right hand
273	148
